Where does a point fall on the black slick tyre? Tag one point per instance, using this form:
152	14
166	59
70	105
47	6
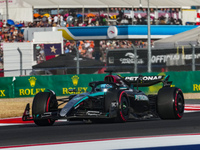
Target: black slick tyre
123	107
170	103
43	102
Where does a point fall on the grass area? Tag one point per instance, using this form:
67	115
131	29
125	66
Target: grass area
14	107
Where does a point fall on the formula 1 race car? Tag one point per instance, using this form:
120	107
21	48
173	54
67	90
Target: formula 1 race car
115	99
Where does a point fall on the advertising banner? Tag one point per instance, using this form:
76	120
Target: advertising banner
63	85
28	86
6	87
179	59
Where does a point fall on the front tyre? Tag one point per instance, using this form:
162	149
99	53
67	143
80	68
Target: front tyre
123	107
170	103
43	102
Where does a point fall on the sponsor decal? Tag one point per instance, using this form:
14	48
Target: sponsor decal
141	98
196	87
130	58
32	81
77	106
93	113
75	80
31	91
172	57
27	91
114	104
144	78
2	93
75	90
78	90
112	32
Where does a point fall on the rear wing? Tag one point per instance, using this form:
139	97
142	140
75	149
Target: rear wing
138	81
144	81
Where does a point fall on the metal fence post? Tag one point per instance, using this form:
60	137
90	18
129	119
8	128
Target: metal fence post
135	64
7	15
149	40
193	57
20	54
77	61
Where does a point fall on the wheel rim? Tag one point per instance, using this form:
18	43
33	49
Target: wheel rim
180	104
124	106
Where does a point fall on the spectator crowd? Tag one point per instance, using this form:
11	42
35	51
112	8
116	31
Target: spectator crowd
87	48
97	17
116	16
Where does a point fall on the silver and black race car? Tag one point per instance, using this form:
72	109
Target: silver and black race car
116	99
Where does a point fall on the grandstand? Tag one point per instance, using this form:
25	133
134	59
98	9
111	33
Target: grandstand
22	10
101	13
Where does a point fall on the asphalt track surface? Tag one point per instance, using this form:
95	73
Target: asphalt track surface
79	131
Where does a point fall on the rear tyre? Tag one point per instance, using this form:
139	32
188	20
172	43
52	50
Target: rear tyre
170	103
123	107
43	102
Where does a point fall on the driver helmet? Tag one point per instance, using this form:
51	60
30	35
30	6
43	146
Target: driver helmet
105	87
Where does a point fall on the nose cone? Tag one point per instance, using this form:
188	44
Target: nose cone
64	112
70	105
